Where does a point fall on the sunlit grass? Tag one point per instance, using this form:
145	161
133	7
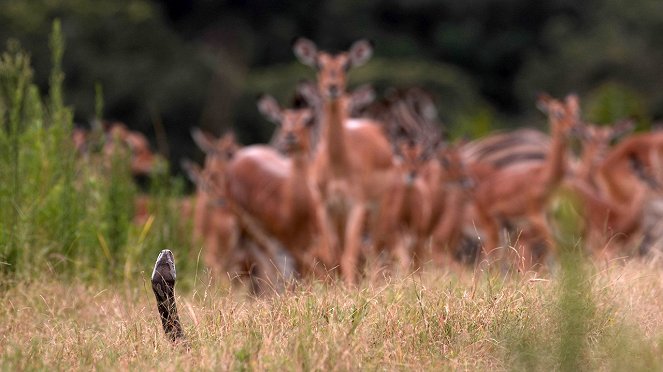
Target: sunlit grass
441	320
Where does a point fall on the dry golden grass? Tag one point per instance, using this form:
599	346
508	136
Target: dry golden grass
440	320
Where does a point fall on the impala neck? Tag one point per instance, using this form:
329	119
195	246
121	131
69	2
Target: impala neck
298	188
334	134
587	161
556	159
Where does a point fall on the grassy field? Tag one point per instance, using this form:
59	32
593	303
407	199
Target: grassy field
75	292
606	318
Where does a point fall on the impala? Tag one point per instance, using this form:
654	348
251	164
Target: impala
522	191
213	221
624	180
272	196
353	165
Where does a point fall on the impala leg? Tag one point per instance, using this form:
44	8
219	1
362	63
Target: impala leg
539	225
448	230
656	164
352	248
263	274
402	254
212	255
419	248
490	229
328	244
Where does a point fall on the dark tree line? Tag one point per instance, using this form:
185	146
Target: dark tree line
174	64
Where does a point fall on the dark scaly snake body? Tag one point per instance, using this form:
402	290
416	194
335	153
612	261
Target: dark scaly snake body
163	285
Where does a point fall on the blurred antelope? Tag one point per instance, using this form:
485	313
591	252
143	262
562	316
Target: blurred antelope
502	150
628	179
452	190
213	221
607	221
427	201
272	196
523	190
353	165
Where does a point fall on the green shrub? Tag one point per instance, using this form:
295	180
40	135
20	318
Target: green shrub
60	211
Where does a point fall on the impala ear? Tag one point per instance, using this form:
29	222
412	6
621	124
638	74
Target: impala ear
361	97
306	51
229	139
229	145
309	92
268	106
360	52
192	170
543	101
310	119
425	104
573	104
622	128
204	141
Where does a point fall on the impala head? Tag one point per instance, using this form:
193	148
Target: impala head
143	160
294	125
332	69
224	147
207	180
193	172
219	151
354	102
563	115
603	135
411	154
453	166
80	138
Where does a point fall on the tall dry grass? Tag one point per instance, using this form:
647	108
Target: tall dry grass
610	320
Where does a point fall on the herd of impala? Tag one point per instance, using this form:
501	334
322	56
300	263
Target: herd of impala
347	180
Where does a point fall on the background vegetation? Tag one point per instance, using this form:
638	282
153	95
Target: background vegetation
173	64
62	213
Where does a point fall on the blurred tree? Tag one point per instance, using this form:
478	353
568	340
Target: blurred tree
611	102
180	63
149	74
615	49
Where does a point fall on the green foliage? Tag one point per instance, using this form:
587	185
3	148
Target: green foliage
610	50
612	102
148	72
61	211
